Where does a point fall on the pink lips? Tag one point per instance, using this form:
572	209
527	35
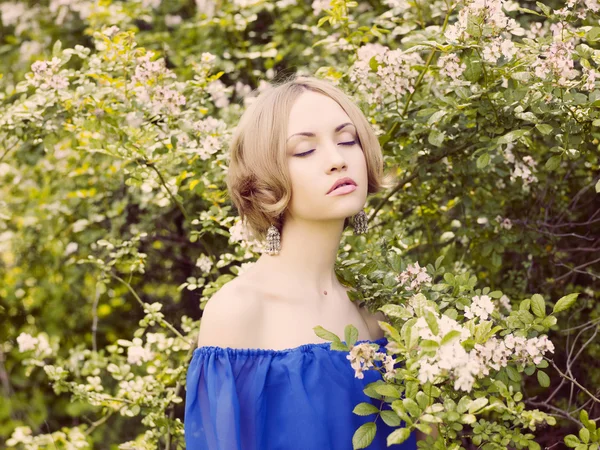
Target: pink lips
343	190
345	180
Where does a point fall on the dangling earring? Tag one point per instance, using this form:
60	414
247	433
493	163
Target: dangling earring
273	241
360	223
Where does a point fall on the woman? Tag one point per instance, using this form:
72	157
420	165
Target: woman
303	160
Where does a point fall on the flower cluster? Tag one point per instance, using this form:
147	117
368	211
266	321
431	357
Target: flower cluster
505	223
453	361
523	169
363	355
148	84
556	61
137	353
394	75
487	13
481	307
451	66
415	275
39	344
45	75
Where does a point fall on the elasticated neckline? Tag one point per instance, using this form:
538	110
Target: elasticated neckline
304	348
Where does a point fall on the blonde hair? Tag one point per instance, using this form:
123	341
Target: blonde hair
258	180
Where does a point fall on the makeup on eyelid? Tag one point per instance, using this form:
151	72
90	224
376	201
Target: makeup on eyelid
312	150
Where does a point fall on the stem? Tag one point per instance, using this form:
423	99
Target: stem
162	322
574	381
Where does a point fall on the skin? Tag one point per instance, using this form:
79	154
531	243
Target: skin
313	221
312	231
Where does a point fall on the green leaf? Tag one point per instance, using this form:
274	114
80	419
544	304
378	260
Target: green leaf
544	128
436	137
477	404
423	428
432	322
387	390
584	435
572	441
365	409
351	335
565	302
468	419
390	418
585	420
411	406
512	373
598	187
450	336
483	160
422	399
56	48
463	404
538	306
428	345
364	435
545	9
511	136
397	436
324	334
549	321
543	378
553	162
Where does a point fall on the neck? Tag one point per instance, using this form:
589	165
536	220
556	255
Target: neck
305	263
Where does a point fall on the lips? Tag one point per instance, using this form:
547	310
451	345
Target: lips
345	180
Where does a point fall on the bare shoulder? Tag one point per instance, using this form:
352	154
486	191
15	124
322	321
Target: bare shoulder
371	319
230	317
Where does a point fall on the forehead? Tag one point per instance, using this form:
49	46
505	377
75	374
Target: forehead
316	113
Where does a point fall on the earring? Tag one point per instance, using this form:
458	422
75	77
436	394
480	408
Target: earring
273	241
360	223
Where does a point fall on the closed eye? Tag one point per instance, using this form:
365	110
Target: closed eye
310	151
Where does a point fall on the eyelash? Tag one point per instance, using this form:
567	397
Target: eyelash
310	151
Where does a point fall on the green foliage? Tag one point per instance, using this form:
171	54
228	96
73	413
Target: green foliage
115	229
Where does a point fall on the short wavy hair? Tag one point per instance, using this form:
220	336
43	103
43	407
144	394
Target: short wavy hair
258	180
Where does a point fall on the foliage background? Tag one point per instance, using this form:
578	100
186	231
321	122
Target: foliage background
114	224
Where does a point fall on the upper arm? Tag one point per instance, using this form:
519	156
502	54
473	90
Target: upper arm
229	319
372	320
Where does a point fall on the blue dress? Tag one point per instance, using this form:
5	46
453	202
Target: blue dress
294	399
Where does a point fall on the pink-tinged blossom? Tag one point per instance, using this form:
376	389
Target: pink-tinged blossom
361	358
590	77
488	13
415	275
394	75
451	66
505	223
45	75
497	48
557	62
523	169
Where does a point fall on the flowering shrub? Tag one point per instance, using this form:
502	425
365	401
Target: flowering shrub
461	362
114	224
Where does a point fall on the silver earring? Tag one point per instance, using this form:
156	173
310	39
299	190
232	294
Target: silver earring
360	223
273	241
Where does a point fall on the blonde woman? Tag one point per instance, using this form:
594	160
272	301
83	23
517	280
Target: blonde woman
303	160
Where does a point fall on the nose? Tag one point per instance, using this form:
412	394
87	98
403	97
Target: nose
338	162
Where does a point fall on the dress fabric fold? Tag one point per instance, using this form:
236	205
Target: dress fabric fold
294	399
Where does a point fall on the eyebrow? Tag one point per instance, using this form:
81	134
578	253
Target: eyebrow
306	133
